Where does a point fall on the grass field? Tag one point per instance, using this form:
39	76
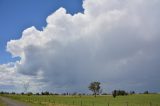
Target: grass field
1	103
130	100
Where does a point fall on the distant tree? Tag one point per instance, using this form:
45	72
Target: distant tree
4	92
132	92
1	92
29	93
95	88
119	93
104	94
83	94
114	93
13	93
80	95
74	93
146	92
45	93
37	93
56	94
64	93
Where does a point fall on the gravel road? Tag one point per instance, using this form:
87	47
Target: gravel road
10	102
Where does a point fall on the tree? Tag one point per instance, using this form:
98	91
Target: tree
132	92
95	88
119	93
114	93
37	93
29	93
45	93
146	92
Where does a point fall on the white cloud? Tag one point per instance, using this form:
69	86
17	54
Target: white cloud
11	80
113	42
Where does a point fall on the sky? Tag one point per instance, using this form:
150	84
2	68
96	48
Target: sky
18	15
62	46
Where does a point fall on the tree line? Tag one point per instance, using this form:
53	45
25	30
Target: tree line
95	87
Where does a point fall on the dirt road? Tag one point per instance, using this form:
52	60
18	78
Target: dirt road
10	102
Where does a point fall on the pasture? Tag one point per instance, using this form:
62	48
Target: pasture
108	100
1	103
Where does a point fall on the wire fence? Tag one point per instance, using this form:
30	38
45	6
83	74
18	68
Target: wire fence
51	102
88	101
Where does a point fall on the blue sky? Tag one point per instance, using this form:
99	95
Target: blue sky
17	15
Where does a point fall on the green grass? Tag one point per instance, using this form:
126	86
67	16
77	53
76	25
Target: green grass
1	103
130	100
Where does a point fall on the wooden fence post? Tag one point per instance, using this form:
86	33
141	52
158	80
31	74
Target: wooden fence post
150	104
108	104
53	102
81	102
127	103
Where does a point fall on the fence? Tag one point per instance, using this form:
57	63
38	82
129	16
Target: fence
88	101
52	102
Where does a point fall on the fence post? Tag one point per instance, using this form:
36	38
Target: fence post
93	103
81	102
150	103
127	103
53	102
108	103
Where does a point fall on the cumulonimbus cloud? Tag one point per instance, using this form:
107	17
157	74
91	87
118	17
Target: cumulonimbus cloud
115	42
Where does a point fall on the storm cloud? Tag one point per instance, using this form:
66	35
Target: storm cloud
115	42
